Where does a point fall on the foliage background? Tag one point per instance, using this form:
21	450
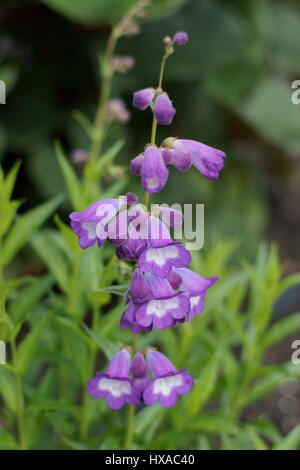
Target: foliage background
231	86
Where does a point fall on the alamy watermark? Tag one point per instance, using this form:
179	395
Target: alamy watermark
296	352
2	352
296	94
141	223
2	92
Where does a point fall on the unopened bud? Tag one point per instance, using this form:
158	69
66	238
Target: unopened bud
122	63
117	111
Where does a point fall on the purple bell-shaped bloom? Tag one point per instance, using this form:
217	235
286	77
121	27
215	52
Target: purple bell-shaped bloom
115	385
90	225
194	286
167	382
163	109
143	98
154	172
160	306
183	153
139	371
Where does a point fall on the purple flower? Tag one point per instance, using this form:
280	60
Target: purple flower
154	172
139	289
136	165
194	286
163	109
131	249
158	306
139	370
152	168
115	385
180	38
90	225
167	382
179	160
160	261
183	153
128	319
143	98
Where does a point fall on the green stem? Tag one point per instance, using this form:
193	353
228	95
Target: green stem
99	125
20	399
129	431
84	421
131	409
154	121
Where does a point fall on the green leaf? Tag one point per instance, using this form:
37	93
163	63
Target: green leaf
116	289
106	345
213	423
25	226
10	179
107	158
8	389
94	11
79	352
27	348
26	299
44	243
148	420
7	441
273	376
204	386
72	182
291	441
280	330
270	111
68	234
278	31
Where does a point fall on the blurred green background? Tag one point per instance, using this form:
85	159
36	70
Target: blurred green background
231	86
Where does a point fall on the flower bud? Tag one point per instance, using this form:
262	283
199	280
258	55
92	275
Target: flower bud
180	38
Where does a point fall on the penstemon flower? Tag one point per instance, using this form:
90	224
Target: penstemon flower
153	303
163	109
163	290
167	382
115	385
194	286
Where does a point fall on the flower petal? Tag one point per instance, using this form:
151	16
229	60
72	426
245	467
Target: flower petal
161	260
154	172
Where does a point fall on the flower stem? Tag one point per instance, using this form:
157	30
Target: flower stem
129	431
20	399
167	53
131	408
99	124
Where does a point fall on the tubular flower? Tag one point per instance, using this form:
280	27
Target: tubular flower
167	382
90	225
139	370
153	303
143	98
115	385
180	38
194	286
183	153
163	109
153	172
